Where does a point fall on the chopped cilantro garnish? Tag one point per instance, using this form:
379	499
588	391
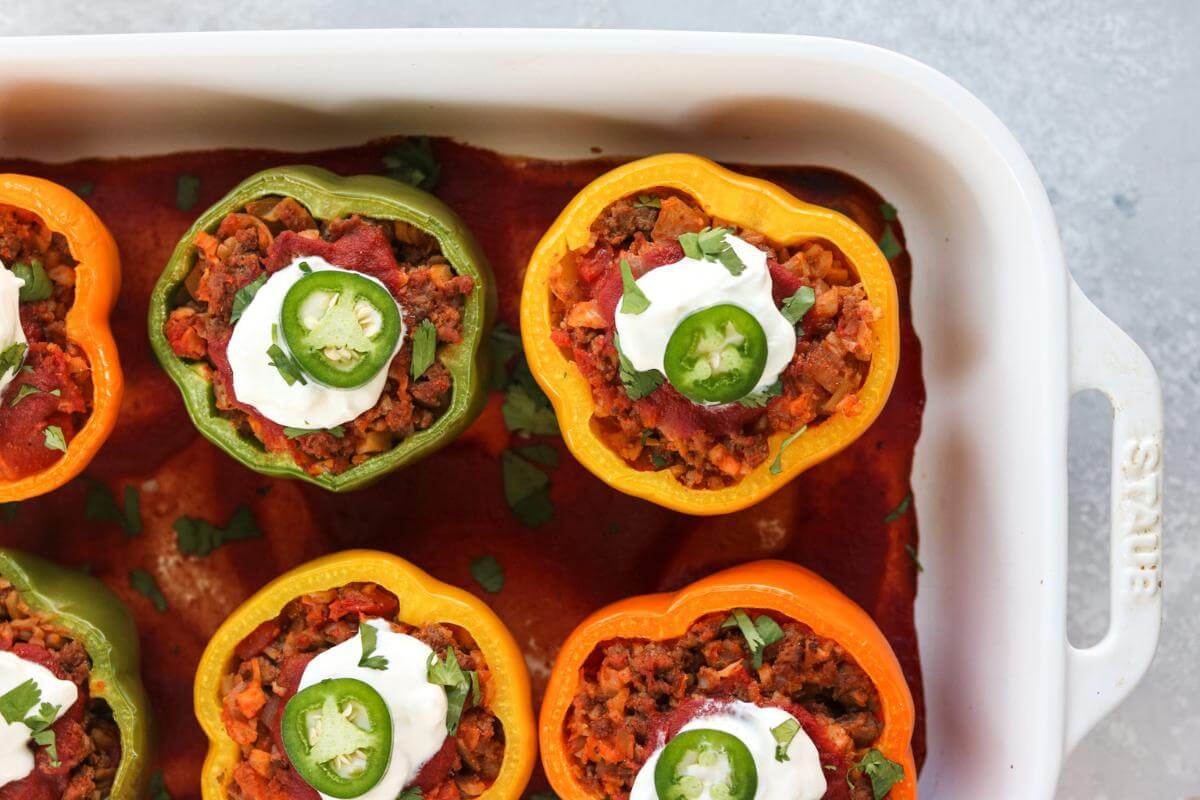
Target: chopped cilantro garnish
763	396
887	210
633	299
777	464
528	414
796	306
37	284
144	584
289	370
460	685
638	383
158	787
900	510
198	537
244	295
411	793
710	245
526	490
187	192
540	453
784	732
53	438
889	244
506	343
27	389
488	573
760	633
19	701
412	161
882	772
912	553
84	189
12	356
424	348
647	201
101	506
337	431
8	511
370	638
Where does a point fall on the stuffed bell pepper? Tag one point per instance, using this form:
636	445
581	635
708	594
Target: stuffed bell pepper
60	381
326	328
74	719
705	336
762	681
359	676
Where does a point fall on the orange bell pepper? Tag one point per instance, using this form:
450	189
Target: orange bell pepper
778	586
423	599
750	202
97	283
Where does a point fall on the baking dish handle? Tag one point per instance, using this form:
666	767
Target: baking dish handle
1104	358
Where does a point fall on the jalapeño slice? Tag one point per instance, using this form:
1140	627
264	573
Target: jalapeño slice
716	354
338	736
705	761
340	326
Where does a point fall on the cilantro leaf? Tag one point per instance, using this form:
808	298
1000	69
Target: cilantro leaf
528	414
424	341
84	189
11	357
889	244
759	633
412	162
784	732
158	787
763	396
411	793
777	464
144	584
244	295
337	431
370	636
887	210
488	573
8	511
52	437
101	506
459	685
647	201
526	490
900	510
198	537
187	192
37	284
633	299
883	772
289	370
796	306
19	701
912	553
638	383
542	454
505	344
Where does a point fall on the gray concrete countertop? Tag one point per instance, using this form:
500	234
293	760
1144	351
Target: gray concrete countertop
1105	98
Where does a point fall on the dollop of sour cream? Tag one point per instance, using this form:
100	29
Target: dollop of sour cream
418	707
801	777
308	405
10	318
16	756
689	285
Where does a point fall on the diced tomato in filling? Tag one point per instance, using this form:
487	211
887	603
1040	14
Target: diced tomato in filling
266	236
55	382
636	694
87	740
270	664
708	446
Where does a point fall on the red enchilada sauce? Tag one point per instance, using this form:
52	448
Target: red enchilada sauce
54	385
845	518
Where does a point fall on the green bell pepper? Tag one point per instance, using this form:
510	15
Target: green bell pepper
326	196
100	622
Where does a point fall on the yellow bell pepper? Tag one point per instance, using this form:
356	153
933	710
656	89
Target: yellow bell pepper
423	599
754	204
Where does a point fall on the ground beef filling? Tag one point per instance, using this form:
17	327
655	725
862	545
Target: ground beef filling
271	660
707	447
264	237
54	365
633	691
87	739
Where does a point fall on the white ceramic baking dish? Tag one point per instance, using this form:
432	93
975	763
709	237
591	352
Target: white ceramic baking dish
1007	335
